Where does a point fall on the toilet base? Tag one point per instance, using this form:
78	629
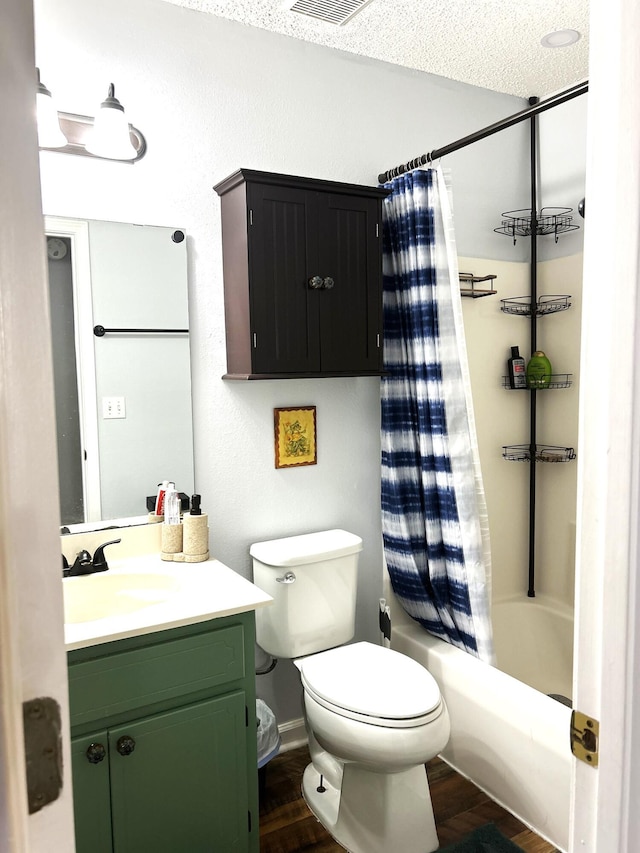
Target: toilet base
375	812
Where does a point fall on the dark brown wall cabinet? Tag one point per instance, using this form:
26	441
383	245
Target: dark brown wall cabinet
302	276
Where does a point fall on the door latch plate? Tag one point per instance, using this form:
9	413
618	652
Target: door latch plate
585	734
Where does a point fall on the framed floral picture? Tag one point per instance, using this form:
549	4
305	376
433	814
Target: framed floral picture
295	436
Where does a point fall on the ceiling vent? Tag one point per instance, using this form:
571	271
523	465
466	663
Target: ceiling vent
331	11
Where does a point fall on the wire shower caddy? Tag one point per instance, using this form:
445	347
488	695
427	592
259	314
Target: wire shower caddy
550	220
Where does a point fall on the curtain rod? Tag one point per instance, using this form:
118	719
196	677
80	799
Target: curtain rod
516	118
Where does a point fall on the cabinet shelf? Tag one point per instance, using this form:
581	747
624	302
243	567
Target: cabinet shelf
543	453
558	380
521	305
468	282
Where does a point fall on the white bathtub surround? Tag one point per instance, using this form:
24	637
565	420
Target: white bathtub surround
434	517
534	642
509	739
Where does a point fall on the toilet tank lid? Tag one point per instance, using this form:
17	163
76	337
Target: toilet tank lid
307	548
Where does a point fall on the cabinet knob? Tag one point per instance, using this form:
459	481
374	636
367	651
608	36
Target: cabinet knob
125	745
95	753
315	282
327	283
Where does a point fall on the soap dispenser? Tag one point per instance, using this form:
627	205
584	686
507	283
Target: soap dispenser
196	533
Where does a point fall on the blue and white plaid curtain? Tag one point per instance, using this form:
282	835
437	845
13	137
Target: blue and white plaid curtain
434	521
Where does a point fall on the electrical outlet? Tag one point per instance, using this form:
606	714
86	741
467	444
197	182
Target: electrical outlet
113	407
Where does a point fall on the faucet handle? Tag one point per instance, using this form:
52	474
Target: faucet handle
99	560
65	567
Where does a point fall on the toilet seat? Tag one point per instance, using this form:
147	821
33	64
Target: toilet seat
372	684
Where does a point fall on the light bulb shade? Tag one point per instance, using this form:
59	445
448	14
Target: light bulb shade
110	136
49	133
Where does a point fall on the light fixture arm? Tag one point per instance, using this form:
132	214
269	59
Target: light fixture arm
77	127
75	134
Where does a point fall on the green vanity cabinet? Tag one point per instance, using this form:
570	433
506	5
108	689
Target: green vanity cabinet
164	741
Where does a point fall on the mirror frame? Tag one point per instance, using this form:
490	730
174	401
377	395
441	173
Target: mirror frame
77	231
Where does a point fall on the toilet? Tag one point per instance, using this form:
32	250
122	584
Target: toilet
373	715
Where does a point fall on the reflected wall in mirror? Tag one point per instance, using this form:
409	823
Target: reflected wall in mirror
123	399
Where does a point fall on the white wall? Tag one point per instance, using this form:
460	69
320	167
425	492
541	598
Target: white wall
210	96
562	156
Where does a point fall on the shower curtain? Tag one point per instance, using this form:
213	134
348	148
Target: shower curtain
434	520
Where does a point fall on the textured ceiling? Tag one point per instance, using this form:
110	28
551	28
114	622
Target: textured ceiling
490	43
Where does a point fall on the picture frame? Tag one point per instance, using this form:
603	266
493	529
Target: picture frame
295	436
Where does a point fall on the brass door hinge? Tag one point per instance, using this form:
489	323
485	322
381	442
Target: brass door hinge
585	732
43	751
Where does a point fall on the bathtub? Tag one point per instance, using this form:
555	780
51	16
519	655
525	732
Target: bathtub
510	739
533	639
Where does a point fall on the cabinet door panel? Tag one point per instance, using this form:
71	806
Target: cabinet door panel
184	787
282	257
91	797
351	310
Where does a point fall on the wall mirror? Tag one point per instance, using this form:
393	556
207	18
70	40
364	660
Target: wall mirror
122	375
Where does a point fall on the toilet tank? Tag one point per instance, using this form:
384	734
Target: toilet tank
312	579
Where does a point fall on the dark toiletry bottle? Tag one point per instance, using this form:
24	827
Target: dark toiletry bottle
516	368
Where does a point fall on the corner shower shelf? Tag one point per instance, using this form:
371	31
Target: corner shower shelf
550	220
471	281
558	380
543	453
521	305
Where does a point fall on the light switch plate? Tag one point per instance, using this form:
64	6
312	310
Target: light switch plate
113	407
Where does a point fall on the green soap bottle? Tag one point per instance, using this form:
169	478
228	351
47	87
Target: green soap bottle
538	371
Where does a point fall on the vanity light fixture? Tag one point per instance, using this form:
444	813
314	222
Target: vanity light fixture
49	133
109	136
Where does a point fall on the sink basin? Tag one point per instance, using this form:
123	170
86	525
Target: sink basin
100	596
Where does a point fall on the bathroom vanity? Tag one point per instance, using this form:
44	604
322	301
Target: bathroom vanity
162	705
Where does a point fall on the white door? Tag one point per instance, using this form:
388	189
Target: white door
32	658
605	815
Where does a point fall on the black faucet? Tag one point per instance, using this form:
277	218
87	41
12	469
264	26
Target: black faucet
85	564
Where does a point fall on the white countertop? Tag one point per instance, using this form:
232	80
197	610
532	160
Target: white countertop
191	593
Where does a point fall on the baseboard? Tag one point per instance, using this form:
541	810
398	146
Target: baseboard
292	734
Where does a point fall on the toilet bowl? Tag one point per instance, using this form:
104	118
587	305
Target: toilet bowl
373	715
373	705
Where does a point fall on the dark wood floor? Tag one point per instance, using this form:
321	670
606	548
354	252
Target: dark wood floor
287	825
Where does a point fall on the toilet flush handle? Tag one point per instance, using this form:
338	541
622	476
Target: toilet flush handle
289	577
